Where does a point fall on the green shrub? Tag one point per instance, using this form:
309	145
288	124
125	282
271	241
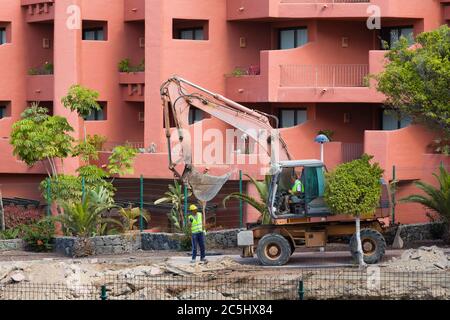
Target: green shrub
10	234
354	188
39	236
124	65
238	72
46	69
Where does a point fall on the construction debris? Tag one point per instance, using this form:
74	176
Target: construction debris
422	259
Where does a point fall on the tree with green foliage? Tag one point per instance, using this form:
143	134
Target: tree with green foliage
121	161
38	137
259	204
435	199
354	189
416	81
81	100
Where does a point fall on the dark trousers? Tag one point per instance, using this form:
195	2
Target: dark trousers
198	239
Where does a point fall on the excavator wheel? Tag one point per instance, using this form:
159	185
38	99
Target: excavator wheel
273	250
373	243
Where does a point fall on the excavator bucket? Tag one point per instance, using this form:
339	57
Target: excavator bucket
206	187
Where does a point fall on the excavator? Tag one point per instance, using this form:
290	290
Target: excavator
296	220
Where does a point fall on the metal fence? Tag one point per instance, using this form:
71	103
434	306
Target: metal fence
305	284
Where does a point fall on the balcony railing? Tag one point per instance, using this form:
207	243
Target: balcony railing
39	10
333	75
110	145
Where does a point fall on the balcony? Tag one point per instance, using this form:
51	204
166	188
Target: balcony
282	81
133	86
407	149
40	87
39	10
134	10
266	9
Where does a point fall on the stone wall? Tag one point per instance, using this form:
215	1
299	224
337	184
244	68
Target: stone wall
161	241
223	239
107	245
416	232
12	245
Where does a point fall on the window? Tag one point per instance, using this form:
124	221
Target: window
195	115
392	35
2	112
292	117
293	38
184	29
94	30
96	34
97	115
191	34
2	36
394	122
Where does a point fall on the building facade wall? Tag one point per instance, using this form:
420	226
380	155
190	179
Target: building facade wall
209	63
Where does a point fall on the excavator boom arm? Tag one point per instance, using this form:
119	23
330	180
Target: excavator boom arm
255	124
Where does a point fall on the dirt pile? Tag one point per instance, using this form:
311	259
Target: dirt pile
422	259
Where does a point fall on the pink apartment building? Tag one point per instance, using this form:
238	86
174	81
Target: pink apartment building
304	61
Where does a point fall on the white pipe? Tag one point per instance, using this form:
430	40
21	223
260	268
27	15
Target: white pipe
322	158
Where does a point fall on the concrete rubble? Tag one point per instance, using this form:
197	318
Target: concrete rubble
420	274
422	259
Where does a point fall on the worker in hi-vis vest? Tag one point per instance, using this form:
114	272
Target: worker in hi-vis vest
198	233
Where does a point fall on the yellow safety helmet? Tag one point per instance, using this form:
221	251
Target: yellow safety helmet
193	207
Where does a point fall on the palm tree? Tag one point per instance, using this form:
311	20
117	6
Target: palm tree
259	204
176	197
84	220
131	216
436	199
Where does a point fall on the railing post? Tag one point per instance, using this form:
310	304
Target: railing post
83	189
394	178
2	212
185	203
241	203
104	294
317	76
49	197
301	290
141	219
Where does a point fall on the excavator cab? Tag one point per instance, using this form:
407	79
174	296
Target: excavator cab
307	203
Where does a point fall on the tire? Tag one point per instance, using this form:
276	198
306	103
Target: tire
273	250
374	246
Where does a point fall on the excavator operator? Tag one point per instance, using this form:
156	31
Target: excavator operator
295	193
